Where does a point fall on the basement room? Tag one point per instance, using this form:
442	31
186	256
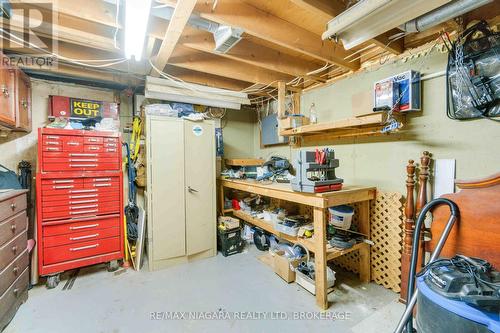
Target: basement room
250	166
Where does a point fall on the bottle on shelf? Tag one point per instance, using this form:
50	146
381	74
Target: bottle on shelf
313	117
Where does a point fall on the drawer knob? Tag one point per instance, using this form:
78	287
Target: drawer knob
13	206
15	270
14	248
16	291
13	227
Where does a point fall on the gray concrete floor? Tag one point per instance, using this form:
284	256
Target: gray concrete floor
100	301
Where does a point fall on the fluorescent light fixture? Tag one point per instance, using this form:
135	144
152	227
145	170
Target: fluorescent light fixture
168	90
370	18
136	22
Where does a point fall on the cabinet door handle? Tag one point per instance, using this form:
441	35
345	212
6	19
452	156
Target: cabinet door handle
84	247
192	190
24	104
83	237
84	226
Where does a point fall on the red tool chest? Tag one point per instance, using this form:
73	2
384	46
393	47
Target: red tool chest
79	199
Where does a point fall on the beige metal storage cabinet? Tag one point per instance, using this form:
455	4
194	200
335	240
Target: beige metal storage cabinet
181	216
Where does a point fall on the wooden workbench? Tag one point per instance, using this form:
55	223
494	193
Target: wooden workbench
320	202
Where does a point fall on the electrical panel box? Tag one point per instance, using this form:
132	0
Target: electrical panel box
403	89
270	131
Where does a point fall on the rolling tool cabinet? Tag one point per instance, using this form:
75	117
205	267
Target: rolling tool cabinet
79	200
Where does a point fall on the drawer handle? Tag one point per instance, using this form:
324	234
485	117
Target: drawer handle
60	187
83	237
52	143
102	179
102	185
84	226
82	191
5	91
53	148
111	150
15	270
24	104
84	211
13	227
83	160
110	145
84	247
83	207
63	181
82	201
52	137
13	206
73	143
92	140
82	155
83	196
93	148
82	165
14	249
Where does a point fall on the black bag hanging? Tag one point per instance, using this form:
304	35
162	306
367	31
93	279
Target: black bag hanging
472	75
8	179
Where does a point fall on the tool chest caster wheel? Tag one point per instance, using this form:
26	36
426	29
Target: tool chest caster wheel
112	265
52	281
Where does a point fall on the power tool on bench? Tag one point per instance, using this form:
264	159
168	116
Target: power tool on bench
315	171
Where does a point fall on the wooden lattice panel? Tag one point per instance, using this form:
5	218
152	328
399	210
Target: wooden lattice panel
387	233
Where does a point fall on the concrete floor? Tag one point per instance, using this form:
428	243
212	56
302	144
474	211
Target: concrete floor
124	301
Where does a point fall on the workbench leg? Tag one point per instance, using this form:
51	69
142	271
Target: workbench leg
364	251
320	257
364	263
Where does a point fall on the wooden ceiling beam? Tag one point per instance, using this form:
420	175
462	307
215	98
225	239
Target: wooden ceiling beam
206	79
327	10
273	29
250	53
176	25
212	64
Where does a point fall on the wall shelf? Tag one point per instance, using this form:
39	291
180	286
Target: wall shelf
244	162
350	127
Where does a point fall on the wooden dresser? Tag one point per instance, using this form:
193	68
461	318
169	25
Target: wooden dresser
14	273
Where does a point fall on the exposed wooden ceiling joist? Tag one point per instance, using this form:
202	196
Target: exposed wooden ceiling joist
181	15
215	65
206	79
271	28
250	53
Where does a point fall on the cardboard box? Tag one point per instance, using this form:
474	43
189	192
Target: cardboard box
229	222
283	266
286	123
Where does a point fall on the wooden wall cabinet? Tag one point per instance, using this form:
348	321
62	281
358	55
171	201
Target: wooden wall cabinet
15	99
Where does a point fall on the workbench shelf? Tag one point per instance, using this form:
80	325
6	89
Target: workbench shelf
308	243
319	203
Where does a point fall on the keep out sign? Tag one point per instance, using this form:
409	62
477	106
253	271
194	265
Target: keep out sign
81	108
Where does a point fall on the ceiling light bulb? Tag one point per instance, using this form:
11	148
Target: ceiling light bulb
136	22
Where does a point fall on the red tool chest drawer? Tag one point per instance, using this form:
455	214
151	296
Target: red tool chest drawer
79	199
69	226
76	237
68	252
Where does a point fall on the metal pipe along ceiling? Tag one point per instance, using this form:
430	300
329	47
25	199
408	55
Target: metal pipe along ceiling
442	14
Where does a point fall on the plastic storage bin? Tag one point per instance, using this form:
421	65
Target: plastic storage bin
230	242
